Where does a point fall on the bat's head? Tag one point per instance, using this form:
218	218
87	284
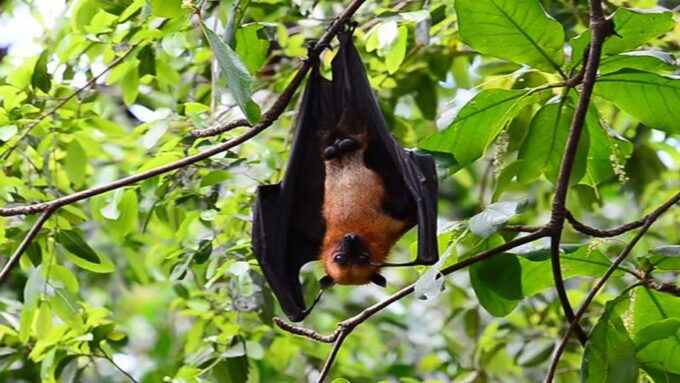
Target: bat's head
350	259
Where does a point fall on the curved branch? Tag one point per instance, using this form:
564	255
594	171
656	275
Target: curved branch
220	129
594	232
600	29
24	244
303	331
622	256
266	120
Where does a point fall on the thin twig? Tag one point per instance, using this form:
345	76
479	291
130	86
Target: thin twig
266	120
521	228
599	31
30	236
220	129
617	262
114	364
670	288
68	98
594	232
303	331
331	358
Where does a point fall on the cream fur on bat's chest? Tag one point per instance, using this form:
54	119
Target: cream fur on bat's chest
352	191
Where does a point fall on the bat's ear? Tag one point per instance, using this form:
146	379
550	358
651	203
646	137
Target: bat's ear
326	282
379	280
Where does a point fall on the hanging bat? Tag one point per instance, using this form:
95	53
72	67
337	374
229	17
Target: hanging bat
349	193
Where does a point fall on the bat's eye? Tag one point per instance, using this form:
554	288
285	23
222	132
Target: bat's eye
340	259
363	258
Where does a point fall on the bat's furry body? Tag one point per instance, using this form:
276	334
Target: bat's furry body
354	200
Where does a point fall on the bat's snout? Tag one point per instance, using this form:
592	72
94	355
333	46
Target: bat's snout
352	250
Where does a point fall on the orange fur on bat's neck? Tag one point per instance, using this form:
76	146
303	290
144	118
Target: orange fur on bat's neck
354	196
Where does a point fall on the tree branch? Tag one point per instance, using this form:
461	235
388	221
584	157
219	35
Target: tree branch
599	30
347	326
303	331
651	218
670	288
220	129
68	98
24	244
521	229
594	232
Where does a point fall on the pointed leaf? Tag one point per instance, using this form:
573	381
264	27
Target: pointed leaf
519	31
609	356
40	78
494	217
478	123
238	77
651	98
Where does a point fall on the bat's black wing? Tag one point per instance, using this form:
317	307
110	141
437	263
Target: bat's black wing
288	225
410	178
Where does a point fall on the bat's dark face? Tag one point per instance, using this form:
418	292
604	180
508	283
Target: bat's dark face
348	260
351	251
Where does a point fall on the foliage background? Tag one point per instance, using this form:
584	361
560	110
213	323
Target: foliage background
158	279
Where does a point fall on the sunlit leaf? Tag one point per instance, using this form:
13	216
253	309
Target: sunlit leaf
519	31
649	97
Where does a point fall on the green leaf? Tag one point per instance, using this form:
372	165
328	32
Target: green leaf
543	148
130	86
479	122
40	78
65	276
494	217
650	307
609	356
605	147
651	98
665	257
195	107
215	177
147	61
194	337
74	242
26	322
43	323
518	31
635	28
656	331
238	77
128	221
649	61
497	283
396	53
75	163
174	44
80	253
65	305
231	370
576	262
168	8
252	48
204	251
7	132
